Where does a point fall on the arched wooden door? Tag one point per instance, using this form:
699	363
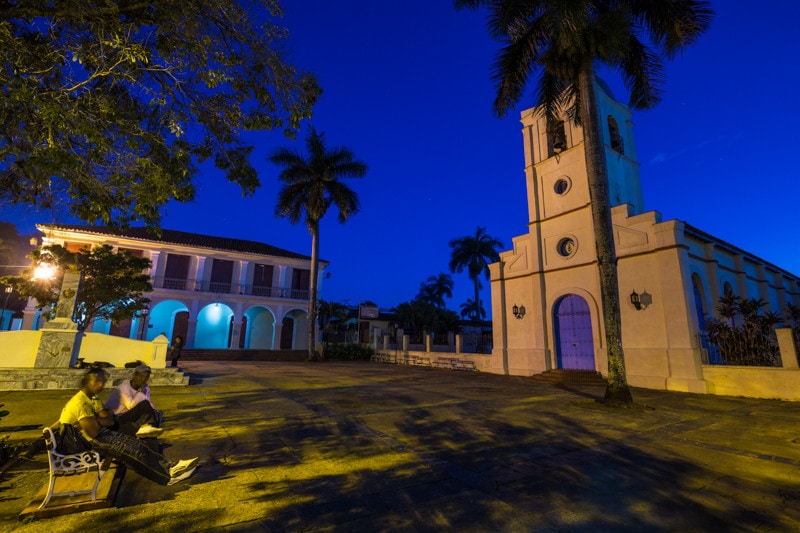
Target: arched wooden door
573	331
287	333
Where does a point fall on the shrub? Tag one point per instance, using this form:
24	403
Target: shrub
744	334
348	351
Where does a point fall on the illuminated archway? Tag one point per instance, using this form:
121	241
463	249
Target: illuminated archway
214	327
294	330
162	319
260	329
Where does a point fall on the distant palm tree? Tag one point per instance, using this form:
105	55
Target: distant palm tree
331	315
473	309
310	186
559	43
474	252
436	288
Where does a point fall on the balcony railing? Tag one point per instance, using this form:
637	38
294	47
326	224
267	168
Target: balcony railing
229	288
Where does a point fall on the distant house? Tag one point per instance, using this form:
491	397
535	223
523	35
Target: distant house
546	305
215	292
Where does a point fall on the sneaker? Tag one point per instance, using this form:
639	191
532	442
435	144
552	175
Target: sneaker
182	465
180	477
149	431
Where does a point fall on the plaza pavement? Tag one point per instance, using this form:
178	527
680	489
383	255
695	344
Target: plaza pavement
373	447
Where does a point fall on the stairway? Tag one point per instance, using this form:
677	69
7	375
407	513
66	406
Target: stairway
579	378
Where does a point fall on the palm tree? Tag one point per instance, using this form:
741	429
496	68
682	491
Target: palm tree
310	186
436	288
474	252
331	315
559	43
473	309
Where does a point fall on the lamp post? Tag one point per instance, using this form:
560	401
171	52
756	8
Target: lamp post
142	321
8	291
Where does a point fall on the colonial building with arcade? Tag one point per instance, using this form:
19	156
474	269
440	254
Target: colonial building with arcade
215	292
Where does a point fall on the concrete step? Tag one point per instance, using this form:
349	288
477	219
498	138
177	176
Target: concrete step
70	378
206	354
562	376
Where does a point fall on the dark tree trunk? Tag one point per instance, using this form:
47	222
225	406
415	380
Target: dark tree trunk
617	392
312	295
477	302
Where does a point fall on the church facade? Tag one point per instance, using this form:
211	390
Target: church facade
546	290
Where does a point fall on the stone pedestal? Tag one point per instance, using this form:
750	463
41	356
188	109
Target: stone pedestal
60	342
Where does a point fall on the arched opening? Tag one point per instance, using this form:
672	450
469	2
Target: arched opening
170	318
123	329
287	333
699	302
617	144
700	307
213	327
294	330
573	333
258	328
556	139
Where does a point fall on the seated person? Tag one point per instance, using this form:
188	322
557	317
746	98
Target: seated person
85	412
132	408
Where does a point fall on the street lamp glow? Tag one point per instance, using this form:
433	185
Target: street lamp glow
44	271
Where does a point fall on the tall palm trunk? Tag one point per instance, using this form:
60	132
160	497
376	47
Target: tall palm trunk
476	314
312	293
617	391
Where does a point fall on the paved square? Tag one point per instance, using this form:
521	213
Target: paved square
372	447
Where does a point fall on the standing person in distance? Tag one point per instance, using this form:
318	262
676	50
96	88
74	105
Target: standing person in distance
177	344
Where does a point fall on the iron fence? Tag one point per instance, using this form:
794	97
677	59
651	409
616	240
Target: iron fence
741	351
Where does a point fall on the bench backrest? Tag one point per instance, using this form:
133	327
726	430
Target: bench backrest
49	439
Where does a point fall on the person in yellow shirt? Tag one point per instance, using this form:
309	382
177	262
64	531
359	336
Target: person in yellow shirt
85	412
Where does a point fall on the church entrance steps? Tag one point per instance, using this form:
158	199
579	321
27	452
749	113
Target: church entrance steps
563	376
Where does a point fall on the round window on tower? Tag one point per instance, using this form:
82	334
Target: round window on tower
562	185
567	247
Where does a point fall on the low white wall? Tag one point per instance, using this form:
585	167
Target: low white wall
18	349
118	351
753	382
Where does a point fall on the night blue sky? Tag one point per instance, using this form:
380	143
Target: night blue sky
408	89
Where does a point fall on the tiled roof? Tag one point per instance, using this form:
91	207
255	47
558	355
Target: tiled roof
169	236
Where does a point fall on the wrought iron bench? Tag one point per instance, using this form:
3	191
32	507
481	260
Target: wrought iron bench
62	465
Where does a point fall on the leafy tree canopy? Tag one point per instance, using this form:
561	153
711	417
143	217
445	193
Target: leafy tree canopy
551	42
110	107
418	316
113	286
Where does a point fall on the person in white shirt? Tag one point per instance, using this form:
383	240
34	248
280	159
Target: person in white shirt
133	410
